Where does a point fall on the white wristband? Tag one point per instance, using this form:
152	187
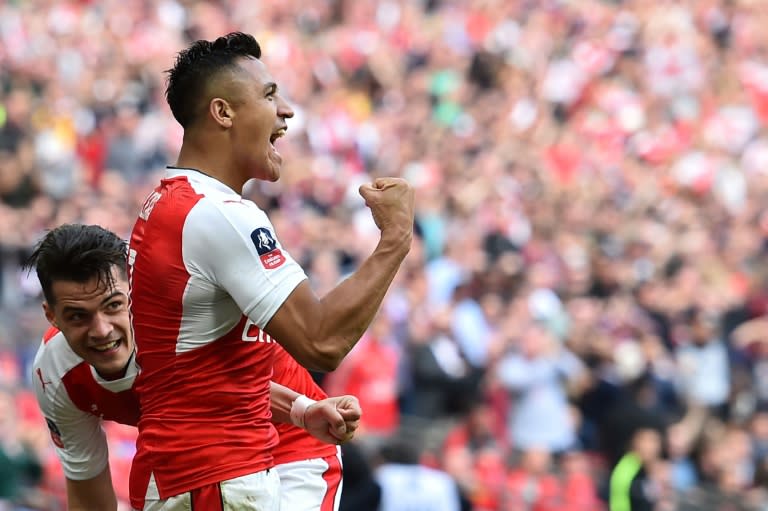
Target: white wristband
299	408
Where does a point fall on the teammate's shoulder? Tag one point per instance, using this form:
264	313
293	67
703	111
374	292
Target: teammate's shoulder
52	342
50	334
52	361
54	356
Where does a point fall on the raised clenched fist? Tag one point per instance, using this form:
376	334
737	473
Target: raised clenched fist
391	201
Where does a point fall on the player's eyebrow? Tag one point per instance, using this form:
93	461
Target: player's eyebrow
71	308
111	296
74	308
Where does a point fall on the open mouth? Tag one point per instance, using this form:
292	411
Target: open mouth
104	348
273	138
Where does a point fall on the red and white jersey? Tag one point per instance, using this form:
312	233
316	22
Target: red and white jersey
297	444
206	273
74	400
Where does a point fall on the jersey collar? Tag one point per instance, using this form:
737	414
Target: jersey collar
124	383
198	176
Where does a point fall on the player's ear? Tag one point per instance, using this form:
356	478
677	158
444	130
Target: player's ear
48	310
221	112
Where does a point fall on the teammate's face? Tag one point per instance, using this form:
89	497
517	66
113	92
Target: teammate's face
95	321
259	121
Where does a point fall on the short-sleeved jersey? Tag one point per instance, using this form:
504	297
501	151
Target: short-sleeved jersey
206	273
74	400
295	443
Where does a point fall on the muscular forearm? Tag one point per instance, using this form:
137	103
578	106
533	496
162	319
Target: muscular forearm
94	494
349	308
318	333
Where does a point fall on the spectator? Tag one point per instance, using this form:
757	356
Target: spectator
445	383
726	468
704	364
20	469
579	490
632	485
598	166
475	455
375	383
533	485
360	490
405	484
537	373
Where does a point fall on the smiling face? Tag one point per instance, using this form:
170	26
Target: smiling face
259	119
94	319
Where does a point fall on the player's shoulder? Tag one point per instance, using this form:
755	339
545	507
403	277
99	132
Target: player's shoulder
210	190
219	217
50	333
53	360
229	205
54	356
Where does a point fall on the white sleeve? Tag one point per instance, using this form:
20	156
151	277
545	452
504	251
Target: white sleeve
234	245
78	437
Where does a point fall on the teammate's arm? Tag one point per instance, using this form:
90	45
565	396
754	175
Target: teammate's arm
318	333
96	494
81	446
332	420
281	399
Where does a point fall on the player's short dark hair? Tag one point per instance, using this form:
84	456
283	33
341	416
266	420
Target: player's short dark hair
77	253
197	65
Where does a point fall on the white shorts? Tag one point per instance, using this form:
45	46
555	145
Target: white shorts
252	492
311	485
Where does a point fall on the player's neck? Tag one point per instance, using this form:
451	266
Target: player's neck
195	156
112	376
115	375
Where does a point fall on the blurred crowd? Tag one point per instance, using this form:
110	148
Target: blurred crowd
583	318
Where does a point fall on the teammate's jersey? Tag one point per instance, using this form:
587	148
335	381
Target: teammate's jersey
295	443
206	273
74	399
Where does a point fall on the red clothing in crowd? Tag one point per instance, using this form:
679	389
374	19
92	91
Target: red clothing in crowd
370	373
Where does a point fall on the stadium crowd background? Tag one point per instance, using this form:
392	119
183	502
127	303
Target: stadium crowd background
592	190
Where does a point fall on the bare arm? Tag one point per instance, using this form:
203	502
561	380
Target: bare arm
281	398
320	332
94	494
753	330
333	420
